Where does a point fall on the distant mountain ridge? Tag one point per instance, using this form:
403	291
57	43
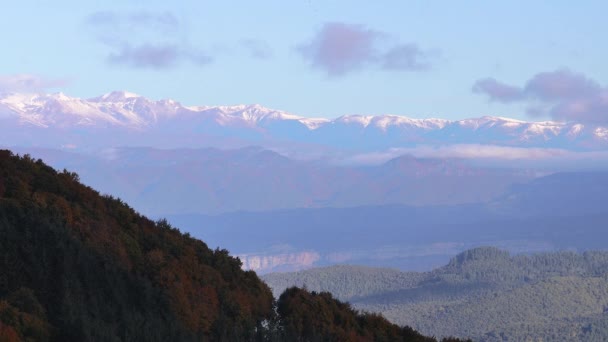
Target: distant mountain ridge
564	211
130	114
159	182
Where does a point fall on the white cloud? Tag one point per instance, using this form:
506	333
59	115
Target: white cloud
488	155
29	83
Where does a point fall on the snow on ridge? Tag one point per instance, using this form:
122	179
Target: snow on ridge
46	110
249	115
575	130
125	109
497	121
363	120
313	123
116	96
123	103
601	133
385	121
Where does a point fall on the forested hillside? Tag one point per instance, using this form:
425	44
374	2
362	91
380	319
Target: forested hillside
78	266
483	293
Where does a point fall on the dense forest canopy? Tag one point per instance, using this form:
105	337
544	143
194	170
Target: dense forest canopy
483	293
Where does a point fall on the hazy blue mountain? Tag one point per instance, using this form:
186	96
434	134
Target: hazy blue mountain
568	193
210	181
557	212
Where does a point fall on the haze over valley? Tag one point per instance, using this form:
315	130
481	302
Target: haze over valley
373	205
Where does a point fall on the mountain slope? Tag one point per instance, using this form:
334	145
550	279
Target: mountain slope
55	120
62	240
77	266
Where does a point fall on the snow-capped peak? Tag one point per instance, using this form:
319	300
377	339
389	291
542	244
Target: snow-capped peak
116	96
131	111
60	96
363	120
248	114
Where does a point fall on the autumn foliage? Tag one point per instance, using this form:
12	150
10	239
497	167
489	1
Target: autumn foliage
103	270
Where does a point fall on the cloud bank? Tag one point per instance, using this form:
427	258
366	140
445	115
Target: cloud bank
339	48
28	83
503	156
562	94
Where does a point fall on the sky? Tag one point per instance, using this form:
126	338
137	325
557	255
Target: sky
532	60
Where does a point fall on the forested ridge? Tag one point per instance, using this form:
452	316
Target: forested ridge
483	293
79	266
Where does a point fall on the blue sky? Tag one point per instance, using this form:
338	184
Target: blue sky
319	58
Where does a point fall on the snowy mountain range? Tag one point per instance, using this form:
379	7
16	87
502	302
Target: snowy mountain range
58	120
